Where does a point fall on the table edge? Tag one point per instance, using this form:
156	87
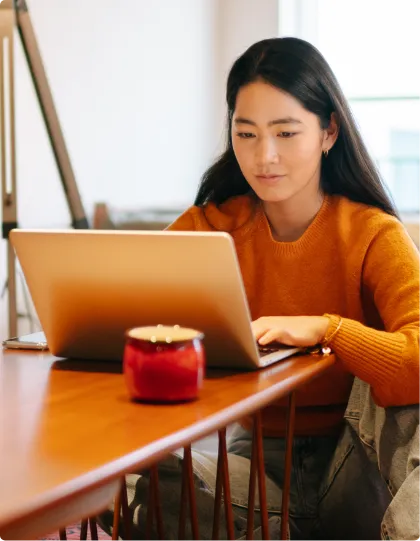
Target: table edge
152	453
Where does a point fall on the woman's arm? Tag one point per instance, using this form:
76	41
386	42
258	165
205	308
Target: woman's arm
387	360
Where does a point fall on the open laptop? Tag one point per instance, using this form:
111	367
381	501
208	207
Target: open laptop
89	287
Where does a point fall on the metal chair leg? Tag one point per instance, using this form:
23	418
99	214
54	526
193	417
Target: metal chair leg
288	465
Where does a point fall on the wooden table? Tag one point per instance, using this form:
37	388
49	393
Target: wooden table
68	431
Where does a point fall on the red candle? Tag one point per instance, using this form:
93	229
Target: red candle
163	364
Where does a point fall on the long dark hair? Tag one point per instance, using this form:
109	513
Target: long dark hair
297	67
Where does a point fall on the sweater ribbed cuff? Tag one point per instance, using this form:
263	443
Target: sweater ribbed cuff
371	355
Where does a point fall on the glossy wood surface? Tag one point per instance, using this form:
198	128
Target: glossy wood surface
68	427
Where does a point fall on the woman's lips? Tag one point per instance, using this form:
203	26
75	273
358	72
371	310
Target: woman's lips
270	180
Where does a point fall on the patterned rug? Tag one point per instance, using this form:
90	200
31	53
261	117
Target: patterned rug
73	532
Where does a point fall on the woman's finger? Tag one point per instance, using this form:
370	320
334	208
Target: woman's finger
259	329
270	335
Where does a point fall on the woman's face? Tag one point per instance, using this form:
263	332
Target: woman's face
277	142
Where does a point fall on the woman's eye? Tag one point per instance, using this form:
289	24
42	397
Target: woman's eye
286	134
245	135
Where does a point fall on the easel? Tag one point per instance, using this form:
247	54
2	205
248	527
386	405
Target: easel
14	14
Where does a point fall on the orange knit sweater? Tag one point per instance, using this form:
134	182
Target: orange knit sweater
354	261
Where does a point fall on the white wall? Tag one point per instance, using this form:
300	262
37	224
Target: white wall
139	89
133	85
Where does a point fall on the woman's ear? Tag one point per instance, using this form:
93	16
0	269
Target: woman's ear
331	133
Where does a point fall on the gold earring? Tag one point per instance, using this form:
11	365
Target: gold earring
326	153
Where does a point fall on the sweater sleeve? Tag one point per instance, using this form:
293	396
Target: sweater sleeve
387	360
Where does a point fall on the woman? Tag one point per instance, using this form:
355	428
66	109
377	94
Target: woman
324	257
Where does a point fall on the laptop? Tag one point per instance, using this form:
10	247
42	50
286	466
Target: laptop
90	286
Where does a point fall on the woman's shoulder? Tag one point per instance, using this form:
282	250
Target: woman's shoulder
361	215
365	229
234	214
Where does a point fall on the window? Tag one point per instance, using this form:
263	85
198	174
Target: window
371	49
402	168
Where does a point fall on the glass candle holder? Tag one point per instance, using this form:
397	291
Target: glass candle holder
164	363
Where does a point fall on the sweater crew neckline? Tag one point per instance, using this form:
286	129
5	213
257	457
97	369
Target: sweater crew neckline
307	239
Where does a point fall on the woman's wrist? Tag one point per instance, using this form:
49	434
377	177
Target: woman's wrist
334	325
324	325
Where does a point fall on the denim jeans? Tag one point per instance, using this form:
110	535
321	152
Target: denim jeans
371	488
311	457
353	497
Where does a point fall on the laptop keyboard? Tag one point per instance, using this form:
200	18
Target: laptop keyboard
265	350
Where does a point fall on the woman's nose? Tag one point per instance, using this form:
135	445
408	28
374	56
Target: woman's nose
267	152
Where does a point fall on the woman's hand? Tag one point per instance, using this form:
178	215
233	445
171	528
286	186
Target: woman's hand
302	331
